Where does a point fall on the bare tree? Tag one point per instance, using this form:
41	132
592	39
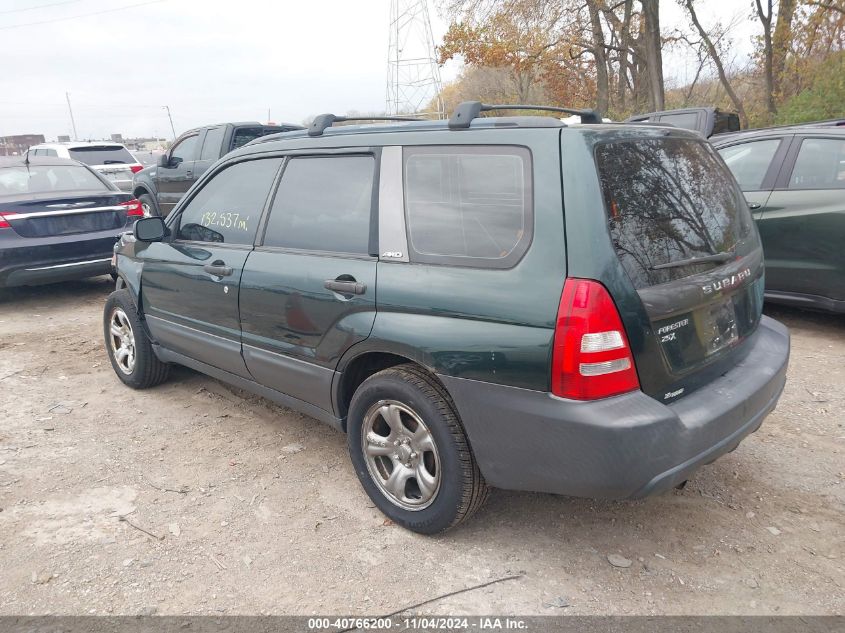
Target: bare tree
652	46
717	61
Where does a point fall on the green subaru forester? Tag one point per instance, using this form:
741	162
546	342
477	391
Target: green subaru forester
488	301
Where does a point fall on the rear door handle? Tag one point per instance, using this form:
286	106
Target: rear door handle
189	173
218	269
754	205
345	287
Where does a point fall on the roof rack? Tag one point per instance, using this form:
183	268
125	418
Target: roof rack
323	121
469	110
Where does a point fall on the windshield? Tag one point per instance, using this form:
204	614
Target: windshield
668	200
46	178
102	155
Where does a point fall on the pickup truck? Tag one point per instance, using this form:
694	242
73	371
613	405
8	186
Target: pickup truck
159	187
707	121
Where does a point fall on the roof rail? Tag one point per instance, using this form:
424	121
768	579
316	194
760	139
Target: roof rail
323	121
469	110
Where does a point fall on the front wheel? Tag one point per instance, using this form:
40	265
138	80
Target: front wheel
410	451
127	345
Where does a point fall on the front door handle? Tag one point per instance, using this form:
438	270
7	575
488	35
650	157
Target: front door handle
754	205
218	268
345	287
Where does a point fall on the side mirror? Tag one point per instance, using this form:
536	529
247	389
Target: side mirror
149	229
163	160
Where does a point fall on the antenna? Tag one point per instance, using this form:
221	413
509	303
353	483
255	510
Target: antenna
413	75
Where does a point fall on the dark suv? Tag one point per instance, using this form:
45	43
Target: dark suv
503	301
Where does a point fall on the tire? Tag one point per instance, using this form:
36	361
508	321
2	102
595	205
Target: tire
139	367
428	451
148	205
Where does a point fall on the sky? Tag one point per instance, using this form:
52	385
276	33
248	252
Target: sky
211	61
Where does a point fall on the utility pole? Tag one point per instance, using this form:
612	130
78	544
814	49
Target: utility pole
172	129
72	122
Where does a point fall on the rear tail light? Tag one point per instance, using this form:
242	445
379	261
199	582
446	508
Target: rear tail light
5	216
591	357
133	208
136	168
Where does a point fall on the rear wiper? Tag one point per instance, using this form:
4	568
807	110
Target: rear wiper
717	258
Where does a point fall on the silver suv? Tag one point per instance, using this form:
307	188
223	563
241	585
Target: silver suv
112	160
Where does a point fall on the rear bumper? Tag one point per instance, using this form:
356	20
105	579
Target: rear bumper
628	446
32	261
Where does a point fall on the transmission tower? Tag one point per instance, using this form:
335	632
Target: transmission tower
413	75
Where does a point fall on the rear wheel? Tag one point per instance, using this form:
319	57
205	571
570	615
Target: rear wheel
148	205
129	349
410	451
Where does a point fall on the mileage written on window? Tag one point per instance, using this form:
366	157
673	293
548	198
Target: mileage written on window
228	207
226	220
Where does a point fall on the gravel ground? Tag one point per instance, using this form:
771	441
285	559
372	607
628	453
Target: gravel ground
194	498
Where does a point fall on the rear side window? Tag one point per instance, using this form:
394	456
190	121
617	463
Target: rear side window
323	204
468	205
212	143
749	162
101	155
668	200
227	209
820	164
47	178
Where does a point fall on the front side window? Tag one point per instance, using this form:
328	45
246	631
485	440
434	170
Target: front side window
749	162
323	204
228	208
184	150
669	200
820	164
468	205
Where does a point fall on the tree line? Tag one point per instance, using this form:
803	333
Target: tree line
608	54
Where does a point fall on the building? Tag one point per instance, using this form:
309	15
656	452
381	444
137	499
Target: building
64	138
17	145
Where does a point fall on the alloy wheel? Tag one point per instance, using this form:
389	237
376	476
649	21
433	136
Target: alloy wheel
401	455
122	341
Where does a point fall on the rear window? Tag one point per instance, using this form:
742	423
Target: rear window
244	135
668	200
46	178
101	155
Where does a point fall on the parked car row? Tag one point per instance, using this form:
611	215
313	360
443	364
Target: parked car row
510	302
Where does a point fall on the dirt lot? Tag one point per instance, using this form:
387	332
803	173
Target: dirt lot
248	523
